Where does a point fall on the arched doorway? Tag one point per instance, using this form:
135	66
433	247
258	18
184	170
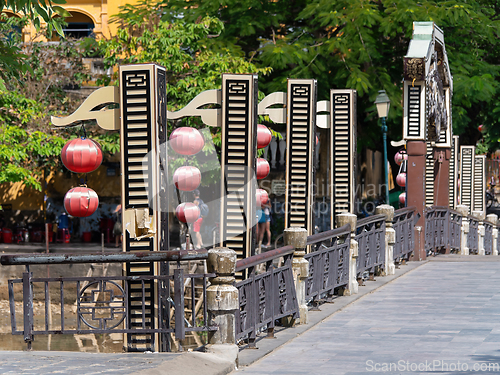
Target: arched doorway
79	26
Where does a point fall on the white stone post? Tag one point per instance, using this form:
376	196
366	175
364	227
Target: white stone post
464	230
297	237
390	237
343	219
480	231
492	218
222	303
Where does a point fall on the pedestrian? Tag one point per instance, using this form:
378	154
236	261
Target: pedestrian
117	228
267	213
198	240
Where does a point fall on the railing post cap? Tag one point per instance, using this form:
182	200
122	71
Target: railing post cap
492	218
347	218
386	210
462	209
478	215
296	237
221	261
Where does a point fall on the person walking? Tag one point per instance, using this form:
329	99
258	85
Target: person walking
198	239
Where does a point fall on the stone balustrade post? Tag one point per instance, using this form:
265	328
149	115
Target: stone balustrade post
492	218
222	303
390	237
297	237
343	219
480	232
464	230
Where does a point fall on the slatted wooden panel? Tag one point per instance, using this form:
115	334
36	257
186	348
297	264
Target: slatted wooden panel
479	183
343	152
239	148
453	180
466	175
429	176
414	124
301	118
140	103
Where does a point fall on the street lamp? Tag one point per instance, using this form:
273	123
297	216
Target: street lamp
383	103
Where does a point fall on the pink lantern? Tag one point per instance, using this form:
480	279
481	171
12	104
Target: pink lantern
187	212
400	156
262	197
480	127
401	179
264	136
402	198
187	178
186	141
317	140
263	168
81	201
81	155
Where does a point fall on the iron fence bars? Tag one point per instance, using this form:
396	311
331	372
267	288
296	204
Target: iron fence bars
403	224
488	238
329	263
455	223
370	235
267	296
473	236
102	304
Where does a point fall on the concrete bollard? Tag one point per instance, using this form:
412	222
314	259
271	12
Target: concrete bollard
390	237
464	230
492	218
343	219
481	231
222	303
297	237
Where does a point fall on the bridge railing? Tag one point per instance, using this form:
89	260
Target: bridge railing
370	235
488	237
109	304
328	264
267	294
442	229
473	235
403	224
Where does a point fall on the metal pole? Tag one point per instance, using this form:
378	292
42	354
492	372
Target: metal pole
386	168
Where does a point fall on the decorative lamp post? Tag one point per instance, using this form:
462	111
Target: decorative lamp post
383	103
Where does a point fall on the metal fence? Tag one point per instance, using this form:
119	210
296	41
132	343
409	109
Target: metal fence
328	264
267	296
113	304
404	224
488	238
442	229
473	236
370	234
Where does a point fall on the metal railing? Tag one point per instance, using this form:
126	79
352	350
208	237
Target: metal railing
328	264
442	229
455	223
473	236
267	296
112	304
403	224
488	238
370	234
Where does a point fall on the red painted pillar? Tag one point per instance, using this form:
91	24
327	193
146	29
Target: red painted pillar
416	191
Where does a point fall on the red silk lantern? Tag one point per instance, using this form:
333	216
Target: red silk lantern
187	178
262	197
186	141
263	168
81	201
81	155
402	198
264	136
401	179
400	156
187	212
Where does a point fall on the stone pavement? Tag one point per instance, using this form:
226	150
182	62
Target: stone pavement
443	317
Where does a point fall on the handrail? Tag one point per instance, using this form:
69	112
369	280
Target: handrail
370	220
404	210
263	257
122	257
319	237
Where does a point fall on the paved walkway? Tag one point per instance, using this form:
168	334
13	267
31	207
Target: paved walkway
443	317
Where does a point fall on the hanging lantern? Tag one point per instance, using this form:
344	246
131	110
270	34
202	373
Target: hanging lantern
186	141
81	155
400	156
480	127
317	140
263	168
401	179
402	198
187	178
264	136
187	212
81	201
262	197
